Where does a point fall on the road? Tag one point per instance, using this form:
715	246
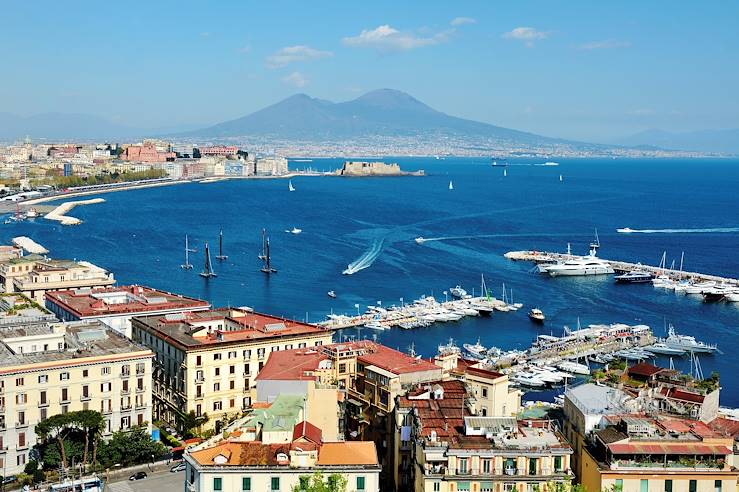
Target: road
161	481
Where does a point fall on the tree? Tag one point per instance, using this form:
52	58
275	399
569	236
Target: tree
91	423
130	447
55	427
189	421
335	482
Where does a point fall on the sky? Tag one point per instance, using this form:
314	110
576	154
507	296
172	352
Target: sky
586	70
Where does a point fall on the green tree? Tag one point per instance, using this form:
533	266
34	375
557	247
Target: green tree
189	422
55	427
91	423
335	482
130	447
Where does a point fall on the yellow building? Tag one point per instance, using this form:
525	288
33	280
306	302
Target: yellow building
52	368
207	361
662	454
34	275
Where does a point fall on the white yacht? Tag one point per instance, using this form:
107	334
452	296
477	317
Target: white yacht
459	293
420	240
732	296
663	349
687	343
573	367
625	230
449	347
588	265
477	350
529	379
700	287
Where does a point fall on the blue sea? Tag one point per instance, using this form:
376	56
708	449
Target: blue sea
139	235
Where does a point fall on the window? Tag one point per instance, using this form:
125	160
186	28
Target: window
486	466
217	371
20	399
105	370
557	464
44	378
140	384
246	484
43	413
21	418
275	483
232	384
693	486
247	354
437	486
532	466
619	485
717	485
232	369
19	381
216	386
360	483
232	355
342	368
484	392
85	391
198	360
463	486
643	485
462	466
65	394
668	485
247	369
217	483
125	386
275	349
217	406
104	387
64	376
216	356
84	373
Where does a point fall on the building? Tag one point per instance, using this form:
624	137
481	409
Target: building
271	166
219	150
147	152
444	448
636	453
115	306
34	275
48	368
207	361
255	466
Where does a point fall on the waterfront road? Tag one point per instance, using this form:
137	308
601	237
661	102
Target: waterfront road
158	481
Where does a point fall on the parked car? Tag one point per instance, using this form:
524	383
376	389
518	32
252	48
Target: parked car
178	467
9	479
138	476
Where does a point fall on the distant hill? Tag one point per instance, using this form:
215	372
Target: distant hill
61	126
725	141
383	112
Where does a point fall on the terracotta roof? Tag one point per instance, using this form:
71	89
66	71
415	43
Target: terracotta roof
348	453
126	299
678	394
668	448
644	369
445	417
485	373
291	365
395	361
306	430
724	426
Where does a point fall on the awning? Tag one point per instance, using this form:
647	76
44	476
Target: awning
668	448
354	402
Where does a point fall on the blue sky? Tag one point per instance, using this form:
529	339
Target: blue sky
587	70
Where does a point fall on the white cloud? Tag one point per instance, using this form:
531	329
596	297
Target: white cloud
291	54
461	21
607	44
296	79
526	34
386	38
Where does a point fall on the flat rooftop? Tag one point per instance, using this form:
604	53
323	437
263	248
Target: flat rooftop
82	339
224	326
126	299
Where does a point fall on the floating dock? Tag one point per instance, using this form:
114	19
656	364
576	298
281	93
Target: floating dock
620	266
415	313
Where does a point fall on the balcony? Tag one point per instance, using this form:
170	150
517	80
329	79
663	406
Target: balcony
141	390
140	405
688	464
64	401
21	425
510	471
126	391
199	379
200	396
126	408
106	411
85	398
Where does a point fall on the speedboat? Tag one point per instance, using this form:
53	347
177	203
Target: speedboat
295	230
700	287
625	230
663	349
732	296
420	240
687	343
526	378
32	213
468	310
634	277
717	293
375	325
573	367
663	282
477	350
537	315
459	292
332	294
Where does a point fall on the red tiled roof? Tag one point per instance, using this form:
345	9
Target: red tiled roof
724	426
291	365
644	369
484	373
678	394
306	430
84	303
395	361
668	448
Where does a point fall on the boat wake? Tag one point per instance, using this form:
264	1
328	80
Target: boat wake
366	260
714	230
421	240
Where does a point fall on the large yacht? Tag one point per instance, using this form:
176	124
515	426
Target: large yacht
634	277
588	265
687	343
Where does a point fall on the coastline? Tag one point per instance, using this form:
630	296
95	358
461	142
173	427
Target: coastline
99	192
59	213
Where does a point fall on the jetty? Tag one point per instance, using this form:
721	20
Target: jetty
59	212
422	312
621	266
29	245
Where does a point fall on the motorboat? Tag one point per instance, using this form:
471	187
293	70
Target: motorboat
545	375
663	282
294	230
732	296
634	277
717	293
449	348
625	230
332	294
687	343
420	240
633	354
459	293
375	325
589	265
573	367
526	378
700	287
661	348
476	350
32	213
683	285
537	315
468	311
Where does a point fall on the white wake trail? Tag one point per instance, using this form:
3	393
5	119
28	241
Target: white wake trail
366	260
712	230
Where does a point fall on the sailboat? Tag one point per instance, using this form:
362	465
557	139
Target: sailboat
451	185
187	265
560	178
505	172
208	271
221	256
267	268
290	185
264	244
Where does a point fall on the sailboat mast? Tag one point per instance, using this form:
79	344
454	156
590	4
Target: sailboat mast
187	251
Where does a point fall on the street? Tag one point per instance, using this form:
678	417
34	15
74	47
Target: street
160	481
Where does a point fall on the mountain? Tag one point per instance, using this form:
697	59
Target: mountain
61	126
726	141
383	112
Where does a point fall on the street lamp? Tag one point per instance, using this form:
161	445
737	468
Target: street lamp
446	296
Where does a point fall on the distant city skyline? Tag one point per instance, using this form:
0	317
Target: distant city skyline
577	70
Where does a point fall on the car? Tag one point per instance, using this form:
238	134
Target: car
9	479
138	476
178	467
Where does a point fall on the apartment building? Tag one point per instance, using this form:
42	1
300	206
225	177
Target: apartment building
34	275
638	453
48	368
115	306
207	361
445	448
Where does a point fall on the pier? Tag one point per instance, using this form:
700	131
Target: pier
423	312
621	266
29	245
58	212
